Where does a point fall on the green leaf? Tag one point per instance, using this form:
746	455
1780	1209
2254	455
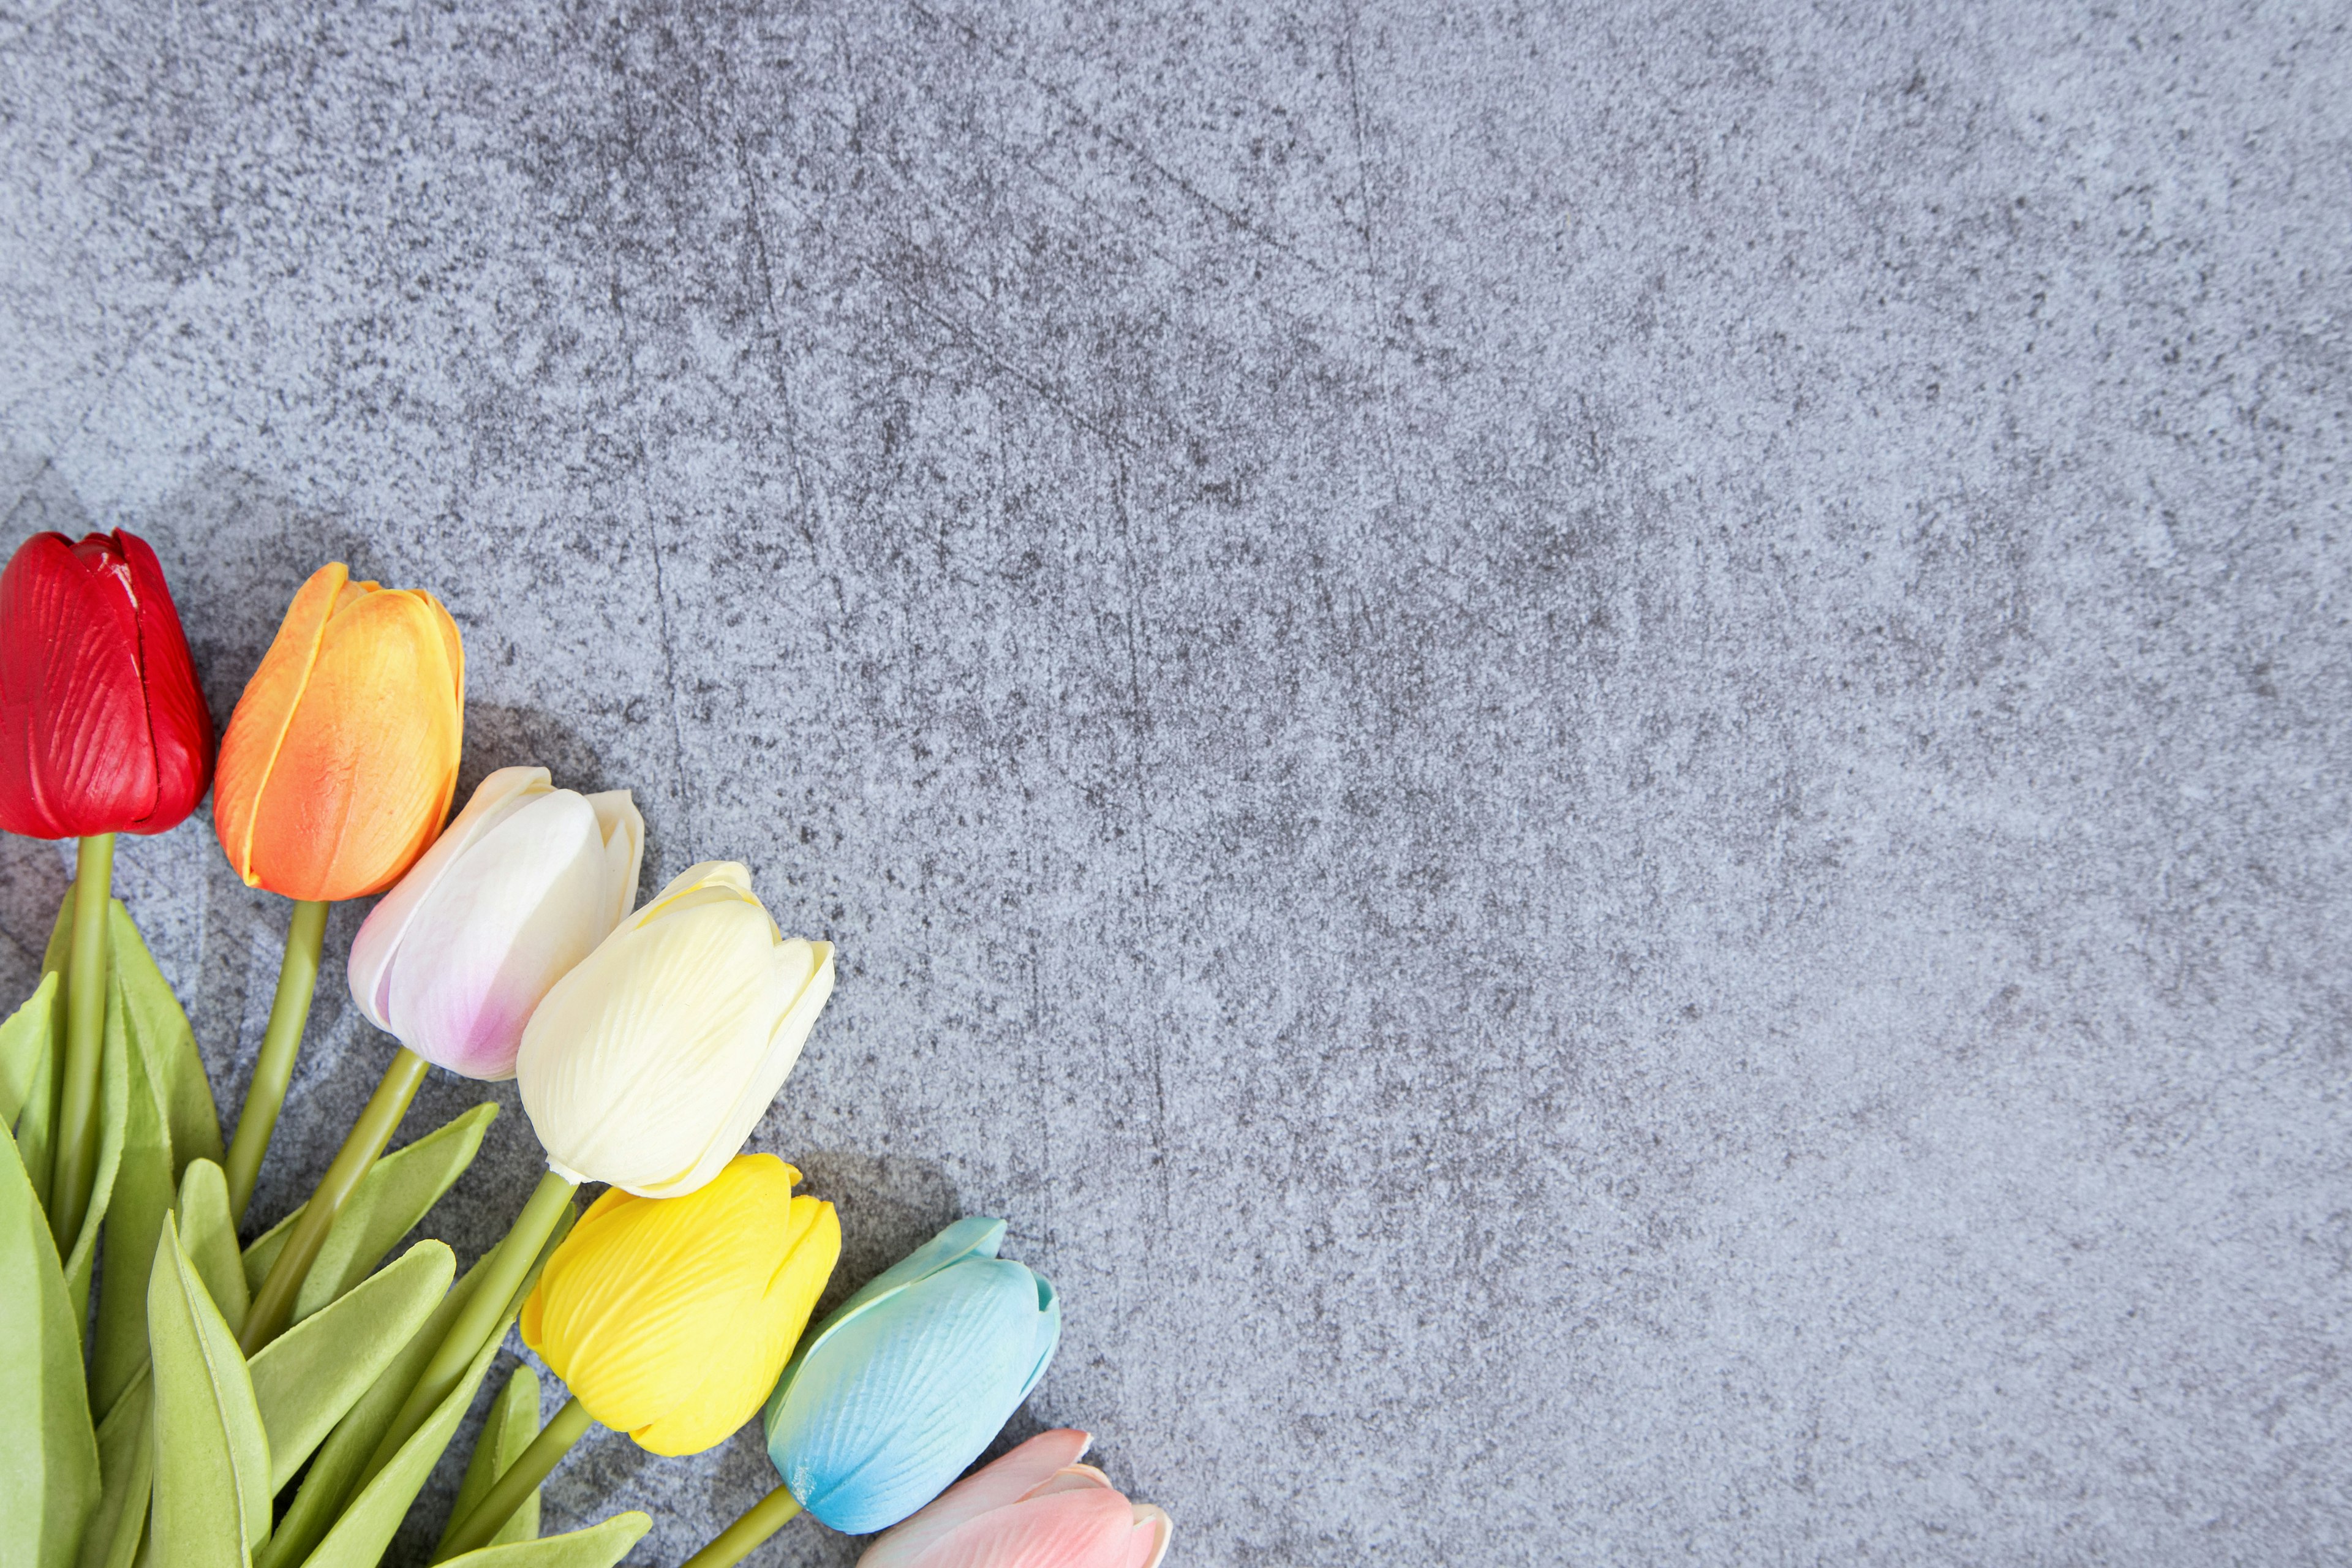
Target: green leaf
166	1118
512	1423
143	1184
385	1206
37	1124
336	1471
373	1518
161	1034
212	1455
36	1147
25	1041
49	1483
306	1379
598	1546
368	1523
208	1236
60	947
126	1466
113	1116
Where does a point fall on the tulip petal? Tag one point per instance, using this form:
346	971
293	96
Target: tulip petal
1084	1529
1071	1478
1049	1333
366	769
802	970
76	753
730	1393
496	798
1147	1543
640	1040
649	1064
256	730
900	1397
767	1071
998	1484
701	877
974	1235
180	727
497	929
624	848
621	1062
453	658
647	1302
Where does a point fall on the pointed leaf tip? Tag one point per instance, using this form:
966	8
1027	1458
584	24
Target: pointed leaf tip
212	1485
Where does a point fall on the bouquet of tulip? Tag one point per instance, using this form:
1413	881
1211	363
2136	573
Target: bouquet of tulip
280	1402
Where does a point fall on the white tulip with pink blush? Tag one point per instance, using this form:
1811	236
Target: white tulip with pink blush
521	886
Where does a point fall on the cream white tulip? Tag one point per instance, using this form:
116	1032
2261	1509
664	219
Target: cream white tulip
649	1064
518	889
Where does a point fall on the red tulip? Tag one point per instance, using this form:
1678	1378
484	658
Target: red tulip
102	729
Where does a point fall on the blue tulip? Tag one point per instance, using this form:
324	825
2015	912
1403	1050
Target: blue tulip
891	1396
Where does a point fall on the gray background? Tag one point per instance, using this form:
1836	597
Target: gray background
1596	757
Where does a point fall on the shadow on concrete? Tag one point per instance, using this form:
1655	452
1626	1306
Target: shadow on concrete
889	1204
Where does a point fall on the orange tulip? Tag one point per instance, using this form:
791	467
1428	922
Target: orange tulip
340	762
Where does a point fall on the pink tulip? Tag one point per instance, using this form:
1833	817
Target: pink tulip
522	887
1035	1508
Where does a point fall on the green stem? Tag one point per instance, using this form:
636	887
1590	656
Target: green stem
480	1315
513	1489
76	1135
273	1069
274	1303
740	1538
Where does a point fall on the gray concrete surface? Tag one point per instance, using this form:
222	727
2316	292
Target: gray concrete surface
1597	756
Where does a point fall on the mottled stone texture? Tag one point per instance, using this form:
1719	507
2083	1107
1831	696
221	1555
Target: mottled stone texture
1598	757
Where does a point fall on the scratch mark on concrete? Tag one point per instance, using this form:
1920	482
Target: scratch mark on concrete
1240	222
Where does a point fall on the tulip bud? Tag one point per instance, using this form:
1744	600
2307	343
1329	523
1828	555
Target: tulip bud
1036	1507
340	759
649	1064
669	1317
102	727
518	889
904	1384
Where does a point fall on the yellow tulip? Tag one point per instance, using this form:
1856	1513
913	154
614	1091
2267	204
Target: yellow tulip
340	762
669	1319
